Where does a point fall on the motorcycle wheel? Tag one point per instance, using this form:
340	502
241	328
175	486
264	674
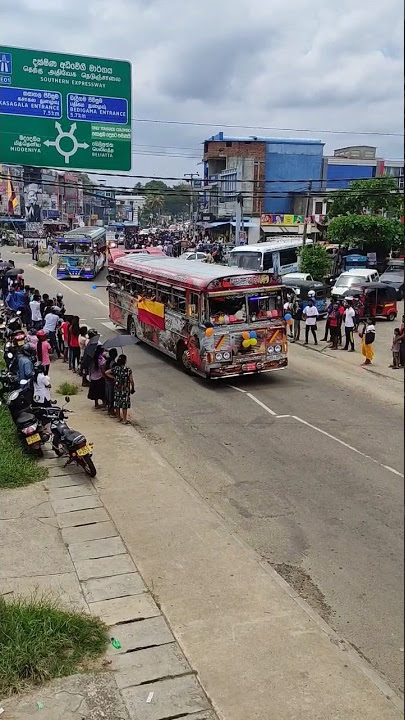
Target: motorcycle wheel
88	466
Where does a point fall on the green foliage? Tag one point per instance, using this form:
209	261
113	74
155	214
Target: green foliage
161	199
16	468
42	263
39	641
67	388
315	260
376	195
371	230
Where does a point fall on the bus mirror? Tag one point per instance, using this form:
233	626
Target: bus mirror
112	285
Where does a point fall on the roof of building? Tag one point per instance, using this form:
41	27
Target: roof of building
189	272
220	137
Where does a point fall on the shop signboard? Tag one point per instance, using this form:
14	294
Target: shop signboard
62	110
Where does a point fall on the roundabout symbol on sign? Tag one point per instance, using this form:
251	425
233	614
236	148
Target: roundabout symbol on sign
75	145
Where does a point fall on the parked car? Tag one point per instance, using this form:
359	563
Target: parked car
353	279
394	276
297	276
193	255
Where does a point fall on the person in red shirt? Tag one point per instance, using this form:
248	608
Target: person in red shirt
64	328
74	345
335	323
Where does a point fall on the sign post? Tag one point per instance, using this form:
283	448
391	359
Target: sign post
67	111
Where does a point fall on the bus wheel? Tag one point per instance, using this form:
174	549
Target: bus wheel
183	356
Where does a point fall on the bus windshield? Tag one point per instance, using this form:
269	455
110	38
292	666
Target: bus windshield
247	260
74	248
252	307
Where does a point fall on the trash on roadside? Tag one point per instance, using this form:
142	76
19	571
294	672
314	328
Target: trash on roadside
1	710
116	643
40	705
150	697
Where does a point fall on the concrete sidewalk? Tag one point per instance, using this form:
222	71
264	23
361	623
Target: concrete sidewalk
259	651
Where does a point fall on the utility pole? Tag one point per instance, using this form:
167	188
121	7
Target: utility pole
307	205
239	223
191	177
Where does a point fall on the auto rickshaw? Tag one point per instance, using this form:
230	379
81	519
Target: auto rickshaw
375	300
301	288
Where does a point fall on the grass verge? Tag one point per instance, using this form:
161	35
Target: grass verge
67	388
39	641
16	468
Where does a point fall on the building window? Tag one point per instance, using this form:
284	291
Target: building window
228	186
318	207
228	144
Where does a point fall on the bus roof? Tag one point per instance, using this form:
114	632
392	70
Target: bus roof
276	244
193	273
90	232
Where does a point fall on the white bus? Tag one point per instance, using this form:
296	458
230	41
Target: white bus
278	256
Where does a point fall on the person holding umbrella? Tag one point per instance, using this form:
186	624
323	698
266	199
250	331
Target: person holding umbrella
97	381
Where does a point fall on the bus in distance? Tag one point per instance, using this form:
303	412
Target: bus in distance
218	322
81	253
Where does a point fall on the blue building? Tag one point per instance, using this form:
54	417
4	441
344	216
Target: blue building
292	167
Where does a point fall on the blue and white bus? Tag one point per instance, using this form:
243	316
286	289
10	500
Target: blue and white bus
81	253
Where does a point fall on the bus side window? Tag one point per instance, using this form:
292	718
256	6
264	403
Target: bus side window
193	305
267	261
179	300
163	295
288	257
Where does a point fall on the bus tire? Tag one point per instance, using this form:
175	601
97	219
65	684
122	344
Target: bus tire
183	356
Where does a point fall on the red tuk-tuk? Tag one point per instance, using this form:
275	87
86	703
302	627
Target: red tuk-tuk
374	300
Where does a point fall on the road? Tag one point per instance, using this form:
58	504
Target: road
304	464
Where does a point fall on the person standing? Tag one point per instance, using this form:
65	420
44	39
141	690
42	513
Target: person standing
35	309
310	314
42	386
52	321
334	319
396	343
49	250
123	388
109	382
43	350
367	335
297	317
97	381
401	339
349	322
288	311
327	324
73	342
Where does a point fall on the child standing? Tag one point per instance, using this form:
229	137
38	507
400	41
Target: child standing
43	350
396	345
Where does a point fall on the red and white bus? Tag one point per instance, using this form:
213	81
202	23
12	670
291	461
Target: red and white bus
217	321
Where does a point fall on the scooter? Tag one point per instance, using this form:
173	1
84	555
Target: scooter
8	382
71	443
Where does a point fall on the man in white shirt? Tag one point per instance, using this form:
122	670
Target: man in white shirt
310	314
52	321
35	307
349	320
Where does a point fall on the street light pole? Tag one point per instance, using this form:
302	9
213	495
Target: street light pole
191	177
305	233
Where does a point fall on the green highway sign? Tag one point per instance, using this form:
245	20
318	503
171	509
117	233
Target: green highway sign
67	111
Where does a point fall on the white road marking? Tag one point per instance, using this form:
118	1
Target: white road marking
103	318
259	402
314	427
345	444
49	274
109	325
96	298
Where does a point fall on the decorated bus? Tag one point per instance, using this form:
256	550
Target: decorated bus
216	321
81	253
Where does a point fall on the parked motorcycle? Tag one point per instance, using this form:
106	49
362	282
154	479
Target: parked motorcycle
8	382
71	443
29	428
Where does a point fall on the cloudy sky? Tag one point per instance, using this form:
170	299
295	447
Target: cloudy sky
300	64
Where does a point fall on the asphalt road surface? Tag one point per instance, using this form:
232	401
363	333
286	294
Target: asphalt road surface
305	465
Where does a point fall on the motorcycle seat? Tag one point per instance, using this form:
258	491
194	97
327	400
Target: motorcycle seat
25	419
72	436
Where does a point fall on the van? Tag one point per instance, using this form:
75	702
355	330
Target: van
352	279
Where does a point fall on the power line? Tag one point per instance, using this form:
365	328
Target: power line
263	127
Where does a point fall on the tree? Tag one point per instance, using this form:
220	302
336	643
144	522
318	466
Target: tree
314	259
367	231
375	196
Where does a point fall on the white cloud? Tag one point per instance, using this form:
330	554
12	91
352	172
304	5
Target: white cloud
301	64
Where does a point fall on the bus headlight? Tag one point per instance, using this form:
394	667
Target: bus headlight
277	348
227	355
218	357
270	350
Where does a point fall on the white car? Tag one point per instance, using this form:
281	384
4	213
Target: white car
297	276
193	255
354	278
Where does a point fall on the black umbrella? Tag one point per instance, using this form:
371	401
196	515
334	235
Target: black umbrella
90	349
120	341
13	272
